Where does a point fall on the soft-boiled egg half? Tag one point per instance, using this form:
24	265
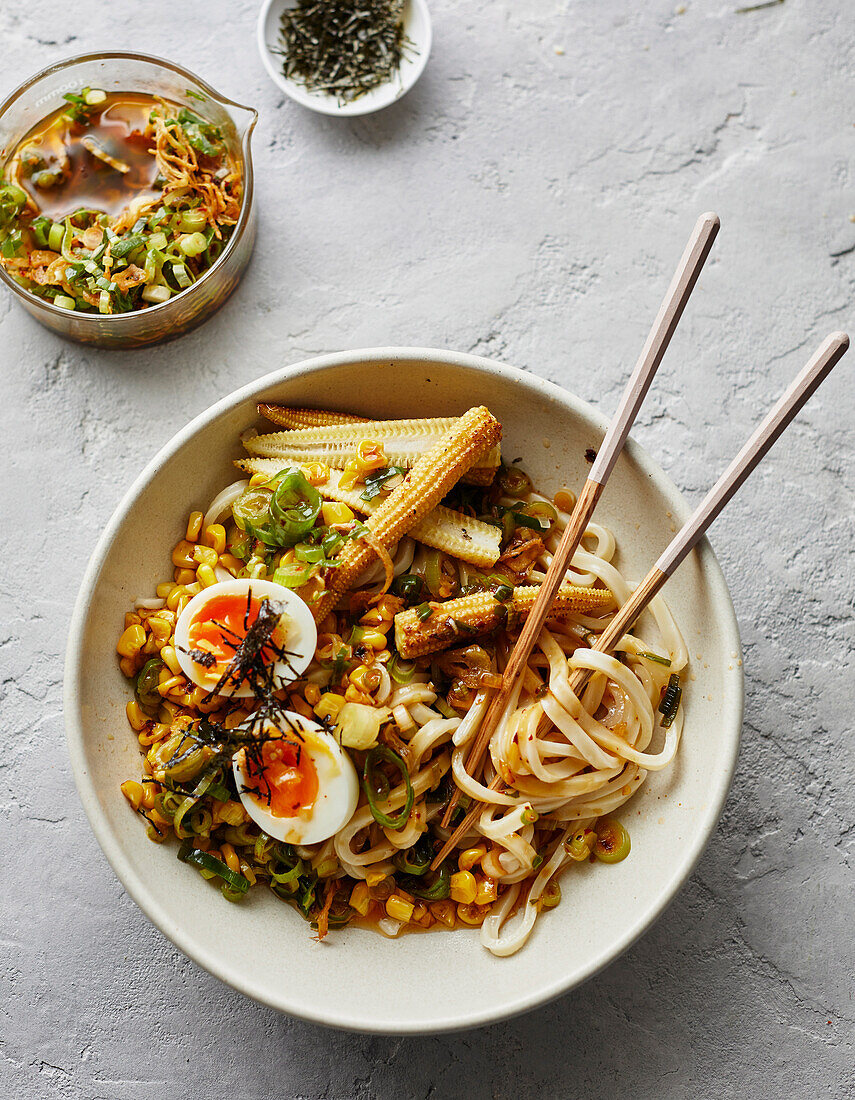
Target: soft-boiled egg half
298	784
216	621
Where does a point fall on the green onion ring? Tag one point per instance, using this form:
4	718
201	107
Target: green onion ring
373	780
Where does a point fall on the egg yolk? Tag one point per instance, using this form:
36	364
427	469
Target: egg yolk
221	626
283	777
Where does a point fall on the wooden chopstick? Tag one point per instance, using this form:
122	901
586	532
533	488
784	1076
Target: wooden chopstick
816	370
671	310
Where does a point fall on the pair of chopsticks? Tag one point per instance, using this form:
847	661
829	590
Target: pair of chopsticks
771	427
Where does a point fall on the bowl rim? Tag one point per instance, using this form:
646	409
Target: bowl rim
99	320
730	726
329	105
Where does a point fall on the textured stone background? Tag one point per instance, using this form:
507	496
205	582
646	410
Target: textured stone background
528	205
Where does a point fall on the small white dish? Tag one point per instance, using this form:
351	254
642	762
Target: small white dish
417	27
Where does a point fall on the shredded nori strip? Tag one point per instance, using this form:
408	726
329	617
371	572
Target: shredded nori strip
200	657
341	47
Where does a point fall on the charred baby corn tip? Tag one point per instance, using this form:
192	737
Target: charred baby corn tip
455	621
304	418
433	475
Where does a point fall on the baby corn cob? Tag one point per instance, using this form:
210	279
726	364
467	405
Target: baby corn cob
463	537
456	621
305	418
404	443
432	476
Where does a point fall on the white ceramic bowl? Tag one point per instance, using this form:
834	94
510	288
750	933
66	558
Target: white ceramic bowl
417	27
442	980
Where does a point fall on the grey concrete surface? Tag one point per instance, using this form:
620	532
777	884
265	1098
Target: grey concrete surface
527	201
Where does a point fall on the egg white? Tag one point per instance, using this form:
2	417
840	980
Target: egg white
338	787
301	633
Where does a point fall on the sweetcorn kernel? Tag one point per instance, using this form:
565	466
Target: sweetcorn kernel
399	909
215	537
468	858
133	792
194	526
334	512
463	887
350	476
370	456
131	641
231	564
316	473
360	899
444	911
486	891
230	858
329	705
206	576
170	659
205	555
136	717
160	628
182	555
472	914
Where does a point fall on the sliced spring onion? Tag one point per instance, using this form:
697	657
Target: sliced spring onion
146	686
295	506
292	574
415	860
400	670
64	302
435	887
376	786
543	512
67	237
410	587
157	241
305	551
156	294
104	302
612	843
424	612
433	571
513	481
193	244
181	276
252	506
375	483
55	234
41	230
655	657
237	884
521	519
127	244
670	701
193	221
